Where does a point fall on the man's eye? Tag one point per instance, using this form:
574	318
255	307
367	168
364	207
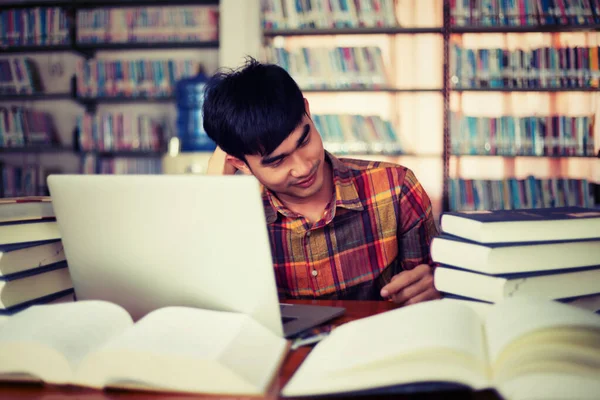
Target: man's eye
276	163
305	142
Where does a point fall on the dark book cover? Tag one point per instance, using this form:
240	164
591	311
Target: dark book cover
29	221
34	271
7	248
42	300
454	238
529	215
528	274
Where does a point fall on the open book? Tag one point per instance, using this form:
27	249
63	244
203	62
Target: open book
523	347
96	344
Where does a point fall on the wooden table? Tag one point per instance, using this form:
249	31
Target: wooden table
354	310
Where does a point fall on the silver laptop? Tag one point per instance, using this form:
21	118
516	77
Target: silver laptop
149	241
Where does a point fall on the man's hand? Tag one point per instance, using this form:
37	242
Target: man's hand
412	286
218	164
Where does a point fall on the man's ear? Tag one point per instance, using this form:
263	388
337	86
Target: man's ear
238	164
306	107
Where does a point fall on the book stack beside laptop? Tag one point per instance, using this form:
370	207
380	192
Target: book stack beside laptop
488	256
33	268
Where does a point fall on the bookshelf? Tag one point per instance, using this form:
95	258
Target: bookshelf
91	49
270	33
36	97
418	55
35	149
534	72
92	33
91	103
525	29
36	49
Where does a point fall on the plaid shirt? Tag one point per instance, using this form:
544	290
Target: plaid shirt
378	223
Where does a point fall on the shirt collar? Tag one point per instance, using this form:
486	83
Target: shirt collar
346	195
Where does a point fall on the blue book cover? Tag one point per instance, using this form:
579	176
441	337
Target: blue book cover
529	215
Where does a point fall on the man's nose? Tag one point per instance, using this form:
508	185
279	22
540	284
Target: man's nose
301	167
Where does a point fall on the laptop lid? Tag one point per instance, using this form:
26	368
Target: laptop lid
149	241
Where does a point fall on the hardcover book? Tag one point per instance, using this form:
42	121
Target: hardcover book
523	225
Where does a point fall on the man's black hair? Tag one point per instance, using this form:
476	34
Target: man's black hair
252	110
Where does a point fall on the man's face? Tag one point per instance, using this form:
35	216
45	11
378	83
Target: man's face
295	170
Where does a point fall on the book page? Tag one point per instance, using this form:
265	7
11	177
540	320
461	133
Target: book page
71	329
482	309
188	349
431	341
550	387
518	316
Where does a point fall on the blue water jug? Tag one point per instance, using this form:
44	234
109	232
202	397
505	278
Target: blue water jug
189	94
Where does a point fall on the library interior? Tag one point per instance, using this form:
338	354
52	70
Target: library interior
494	105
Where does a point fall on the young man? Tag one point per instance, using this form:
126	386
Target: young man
339	228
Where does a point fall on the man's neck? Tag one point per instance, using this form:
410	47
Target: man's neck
312	208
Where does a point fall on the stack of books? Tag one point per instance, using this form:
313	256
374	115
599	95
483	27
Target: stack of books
33	268
551	253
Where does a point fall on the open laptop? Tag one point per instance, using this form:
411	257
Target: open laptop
150	241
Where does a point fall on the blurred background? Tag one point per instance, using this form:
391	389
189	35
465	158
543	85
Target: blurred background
492	103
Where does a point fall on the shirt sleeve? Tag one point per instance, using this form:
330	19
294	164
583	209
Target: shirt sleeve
416	227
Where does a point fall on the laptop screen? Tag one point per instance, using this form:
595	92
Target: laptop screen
150	241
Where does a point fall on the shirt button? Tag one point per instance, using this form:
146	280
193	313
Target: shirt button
308	234
315	272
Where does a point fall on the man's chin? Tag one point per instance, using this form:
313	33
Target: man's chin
309	191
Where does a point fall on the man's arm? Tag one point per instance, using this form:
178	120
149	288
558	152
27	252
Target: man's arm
415	231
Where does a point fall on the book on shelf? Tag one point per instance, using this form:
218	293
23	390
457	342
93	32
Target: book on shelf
32	286
522	136
39	26
143	78
522	347
513	193
16	258
292	14
147	24
203	350
511	226
545	67
340	67
19	75
24	180
118	131
357	134
92	164
488	13
21	127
